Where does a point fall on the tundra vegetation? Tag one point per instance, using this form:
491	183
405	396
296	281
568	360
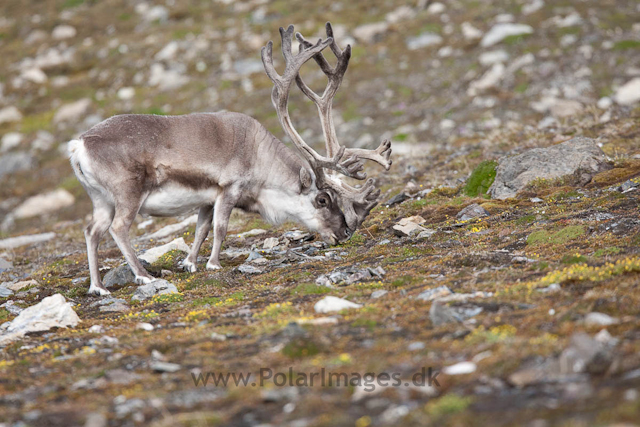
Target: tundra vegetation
530	309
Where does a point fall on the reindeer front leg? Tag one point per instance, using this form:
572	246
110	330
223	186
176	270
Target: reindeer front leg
205	217
221	214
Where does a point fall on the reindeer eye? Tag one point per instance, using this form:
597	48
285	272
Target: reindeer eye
322	201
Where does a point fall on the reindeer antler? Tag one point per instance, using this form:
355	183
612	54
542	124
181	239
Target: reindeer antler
351	167
324	103
356	202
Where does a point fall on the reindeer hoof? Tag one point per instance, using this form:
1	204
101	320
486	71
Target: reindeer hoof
142	280
97	291
211	266
189	266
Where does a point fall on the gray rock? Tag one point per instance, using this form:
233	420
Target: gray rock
398	198
119	276
12	308
471	212
51	312
44	203
246	67
154	254
441	314
5	292
501	31
73	111
379	293
371	33
423	40
425	234
629	93
10	114
15	242
599	319
16	162
628	185
157	287
434	293
248	269
579	155
112	305
585	354
159	366
5	265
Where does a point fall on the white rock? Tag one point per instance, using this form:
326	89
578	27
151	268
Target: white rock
369	33
558	107
35	75
49	313
493	57
168	52
10	114
96	329
29	239
270	243
500	32
423	40
400	14
436	8
126	93
330	304
568	21
10	140
599	319
153	254
73	111
470	32
490	79
532	7
169	229
604	103
251	233
166	79
44	203
144	326
520	62
461	368
627	94
445	52
44	141
447	124
62	32
156	13
17	286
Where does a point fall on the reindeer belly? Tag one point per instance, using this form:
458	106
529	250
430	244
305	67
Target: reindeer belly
173	199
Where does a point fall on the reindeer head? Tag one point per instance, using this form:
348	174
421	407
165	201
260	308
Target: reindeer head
356	203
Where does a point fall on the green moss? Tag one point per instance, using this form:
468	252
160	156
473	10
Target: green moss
300	348
626	44
564	235
607	251
309	289
205	301
481	178
574	259
527	219
448	404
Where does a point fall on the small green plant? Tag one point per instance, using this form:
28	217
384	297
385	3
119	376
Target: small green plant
167	298
300	348
626	44
564	235
449	404
481	179
607	251
309	289
276	310
574	259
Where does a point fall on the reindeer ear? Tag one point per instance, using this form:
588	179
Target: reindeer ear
305	178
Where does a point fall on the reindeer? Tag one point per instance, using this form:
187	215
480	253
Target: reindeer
169	165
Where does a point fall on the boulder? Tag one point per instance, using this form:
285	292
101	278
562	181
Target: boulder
471	212
119	276
51	312
44	203
330	304
579	155
157	287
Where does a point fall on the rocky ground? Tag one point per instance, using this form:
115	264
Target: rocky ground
507	264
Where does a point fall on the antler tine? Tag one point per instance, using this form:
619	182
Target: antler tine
381	155
280	99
